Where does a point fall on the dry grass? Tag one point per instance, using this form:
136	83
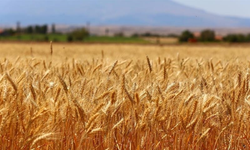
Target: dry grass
113	52
110	102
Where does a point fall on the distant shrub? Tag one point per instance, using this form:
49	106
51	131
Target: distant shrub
46	38
135	35
207	36
236	38
69	38
55	40
8	32
78	35
119	34
172	35
185	36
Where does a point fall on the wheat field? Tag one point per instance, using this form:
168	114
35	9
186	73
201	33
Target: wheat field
73	96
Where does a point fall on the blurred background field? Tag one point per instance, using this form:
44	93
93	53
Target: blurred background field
80	51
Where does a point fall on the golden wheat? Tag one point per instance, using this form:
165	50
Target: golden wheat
168	102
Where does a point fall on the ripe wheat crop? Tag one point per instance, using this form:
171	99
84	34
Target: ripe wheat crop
165	103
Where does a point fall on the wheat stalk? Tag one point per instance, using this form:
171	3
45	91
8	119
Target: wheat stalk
149	65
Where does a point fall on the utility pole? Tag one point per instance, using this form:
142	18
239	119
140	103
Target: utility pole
53	28
18	27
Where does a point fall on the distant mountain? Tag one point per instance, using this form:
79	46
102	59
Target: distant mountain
114	12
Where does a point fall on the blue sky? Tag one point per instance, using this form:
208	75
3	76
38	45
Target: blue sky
239	8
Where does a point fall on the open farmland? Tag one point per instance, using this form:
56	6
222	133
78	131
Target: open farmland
74	96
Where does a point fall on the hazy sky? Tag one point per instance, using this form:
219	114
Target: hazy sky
239	8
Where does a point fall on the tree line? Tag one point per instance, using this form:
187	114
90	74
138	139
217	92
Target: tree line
210	36
76	35
35	29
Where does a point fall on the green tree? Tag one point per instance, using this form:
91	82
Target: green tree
37	29
29	30
41	29
185	36
44	29
9	32
207	36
